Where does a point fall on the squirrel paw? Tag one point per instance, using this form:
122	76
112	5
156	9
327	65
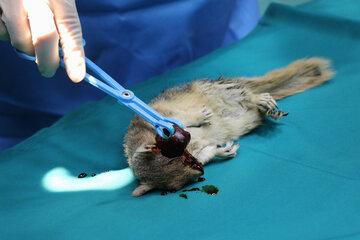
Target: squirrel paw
205	115
228	151
266	102
206	112
273	113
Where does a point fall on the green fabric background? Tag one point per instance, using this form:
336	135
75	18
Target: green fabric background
295	179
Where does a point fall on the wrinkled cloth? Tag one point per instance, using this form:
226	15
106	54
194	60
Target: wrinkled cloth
298	178
132	40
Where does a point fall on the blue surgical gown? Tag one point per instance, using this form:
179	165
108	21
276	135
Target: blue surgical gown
132	40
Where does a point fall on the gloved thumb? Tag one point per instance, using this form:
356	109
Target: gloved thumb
69	29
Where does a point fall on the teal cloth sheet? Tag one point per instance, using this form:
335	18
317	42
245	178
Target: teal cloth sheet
293	179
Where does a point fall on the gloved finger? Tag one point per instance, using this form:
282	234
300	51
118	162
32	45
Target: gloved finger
44	36
69	29
4	35
17	25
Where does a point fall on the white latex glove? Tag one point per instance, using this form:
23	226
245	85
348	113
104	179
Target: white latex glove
35	26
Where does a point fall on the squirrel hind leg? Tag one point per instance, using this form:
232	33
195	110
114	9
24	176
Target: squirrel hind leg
267	105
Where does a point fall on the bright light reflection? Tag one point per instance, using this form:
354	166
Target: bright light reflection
92	80
60	180
41	19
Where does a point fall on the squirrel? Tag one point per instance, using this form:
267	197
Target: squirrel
215	113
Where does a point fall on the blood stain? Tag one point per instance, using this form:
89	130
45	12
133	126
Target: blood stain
201	179
82	175
191	190
210	189
183	196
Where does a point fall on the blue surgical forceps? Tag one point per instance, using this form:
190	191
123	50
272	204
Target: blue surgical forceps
163	126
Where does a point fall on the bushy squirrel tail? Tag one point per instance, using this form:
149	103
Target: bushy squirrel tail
297	77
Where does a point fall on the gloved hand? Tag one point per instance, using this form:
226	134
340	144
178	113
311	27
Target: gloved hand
35	26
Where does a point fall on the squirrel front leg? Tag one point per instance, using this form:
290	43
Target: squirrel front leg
201	118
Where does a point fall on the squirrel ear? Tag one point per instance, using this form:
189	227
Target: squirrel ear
141	190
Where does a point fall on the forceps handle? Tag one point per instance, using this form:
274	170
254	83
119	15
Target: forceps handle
108	85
